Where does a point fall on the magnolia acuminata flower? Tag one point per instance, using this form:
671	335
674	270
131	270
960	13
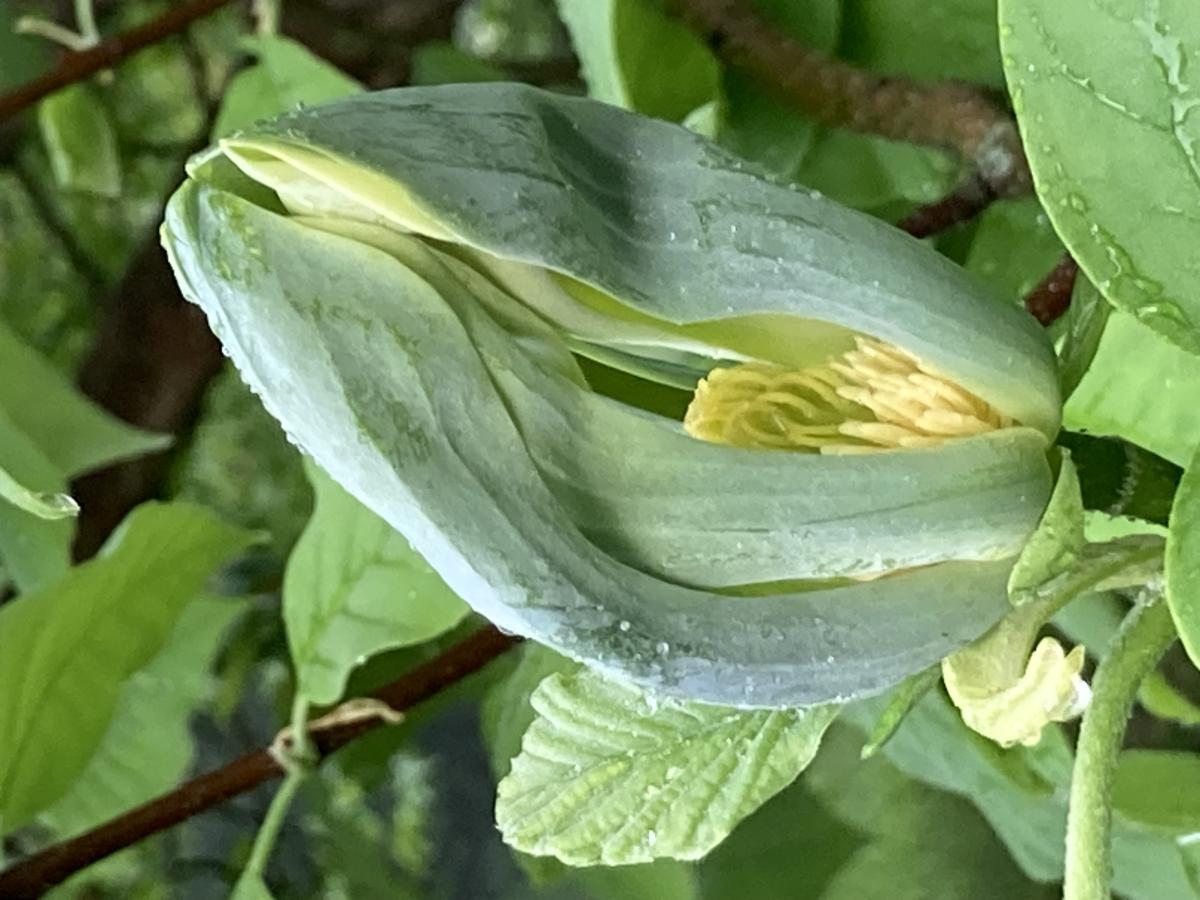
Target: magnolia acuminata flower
473	306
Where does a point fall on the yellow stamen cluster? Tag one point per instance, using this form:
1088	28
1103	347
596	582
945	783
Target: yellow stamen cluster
875	397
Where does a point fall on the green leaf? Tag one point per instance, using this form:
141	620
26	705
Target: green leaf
1120	479
1111	397
1189	853
42	504
33	550
1092	620
506	715
67	650
625	46
923	843
1026	811
1124	206
901	700
285	76
1160	789
80	141
75	434
106	231
1085	322
440	62
1058	542
507	712
48	433
610	775
757	124
790	847
21	56
926	39
353	587
148	744
1013	247
871	173
1182	567
251	887
651	881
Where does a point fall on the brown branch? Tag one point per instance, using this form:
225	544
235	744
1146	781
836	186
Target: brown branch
1052	297
967	201
78	66
953	116
33	876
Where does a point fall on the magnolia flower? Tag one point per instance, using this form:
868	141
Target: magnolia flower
473	306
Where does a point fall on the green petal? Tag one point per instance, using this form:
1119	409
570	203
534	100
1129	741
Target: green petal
378	377
718	516
648	213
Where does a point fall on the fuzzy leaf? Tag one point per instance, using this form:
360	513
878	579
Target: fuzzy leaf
1058	541
608	775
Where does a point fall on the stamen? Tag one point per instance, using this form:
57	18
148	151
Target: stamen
874	397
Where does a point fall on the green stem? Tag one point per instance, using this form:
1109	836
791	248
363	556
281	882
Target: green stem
297	772
1144	636
266	15
85	22
51	31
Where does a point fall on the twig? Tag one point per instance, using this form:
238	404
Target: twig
35	875
1052	296
954	116
78	66
1144	637
967	201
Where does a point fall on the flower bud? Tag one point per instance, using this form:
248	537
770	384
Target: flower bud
464	302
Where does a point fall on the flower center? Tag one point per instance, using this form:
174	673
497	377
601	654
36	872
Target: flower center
875	397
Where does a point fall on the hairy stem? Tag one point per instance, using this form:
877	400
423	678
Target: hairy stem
266	15
85	22
1142	640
